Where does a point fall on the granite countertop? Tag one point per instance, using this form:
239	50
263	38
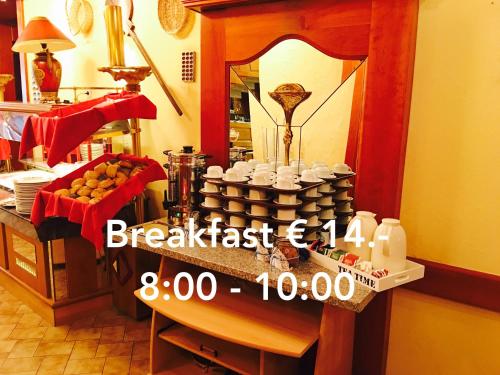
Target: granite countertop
241	263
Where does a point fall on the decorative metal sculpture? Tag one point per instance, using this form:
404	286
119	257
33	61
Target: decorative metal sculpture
289	96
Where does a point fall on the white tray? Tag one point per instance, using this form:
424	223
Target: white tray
413	271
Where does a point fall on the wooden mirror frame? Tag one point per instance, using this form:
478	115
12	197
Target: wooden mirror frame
238	31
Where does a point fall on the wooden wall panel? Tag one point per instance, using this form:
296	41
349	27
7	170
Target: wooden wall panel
387	106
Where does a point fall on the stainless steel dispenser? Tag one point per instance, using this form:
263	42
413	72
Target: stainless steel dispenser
184	171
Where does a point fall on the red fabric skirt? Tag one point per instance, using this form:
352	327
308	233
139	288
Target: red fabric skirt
63	129
93	217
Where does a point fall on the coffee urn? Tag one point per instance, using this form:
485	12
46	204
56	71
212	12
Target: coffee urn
184	170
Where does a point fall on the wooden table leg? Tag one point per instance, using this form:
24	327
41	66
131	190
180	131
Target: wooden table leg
336	338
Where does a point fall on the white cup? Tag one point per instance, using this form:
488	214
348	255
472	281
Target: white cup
309	207
253	163
285	170
217	215
287	199
312	221
215	171
323	172
282	230
285	182
258	210
343	183
212	202
309	175
257	195
262	178
236	221
274	164
325	188
327	214
341	168
311	236
343	207
262	167
210	188
344	220
233	174
256	224
243	167
326	200
342	195
235	206
286	214
312	192
234	191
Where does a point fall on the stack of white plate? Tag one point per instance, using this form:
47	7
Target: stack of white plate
96	149
25	189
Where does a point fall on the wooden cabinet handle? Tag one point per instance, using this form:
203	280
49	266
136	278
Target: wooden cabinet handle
209	350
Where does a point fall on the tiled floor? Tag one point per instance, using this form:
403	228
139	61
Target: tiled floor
107	343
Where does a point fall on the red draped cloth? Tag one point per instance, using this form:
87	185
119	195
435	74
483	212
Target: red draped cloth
63	129
4	149
93	217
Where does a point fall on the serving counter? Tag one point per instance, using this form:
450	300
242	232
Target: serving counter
61	278
240	330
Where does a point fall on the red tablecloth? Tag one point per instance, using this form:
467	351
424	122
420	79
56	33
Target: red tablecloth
4	149
63	129
93	217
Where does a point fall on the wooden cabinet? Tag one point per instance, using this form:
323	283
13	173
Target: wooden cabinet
63	280
242	332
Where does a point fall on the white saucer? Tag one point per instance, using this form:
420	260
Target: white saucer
254	184
296	187
245	179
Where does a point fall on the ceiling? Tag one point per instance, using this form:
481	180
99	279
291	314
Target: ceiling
8	11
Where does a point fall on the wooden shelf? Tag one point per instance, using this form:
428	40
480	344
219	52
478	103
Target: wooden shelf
181	364
275	326
234	357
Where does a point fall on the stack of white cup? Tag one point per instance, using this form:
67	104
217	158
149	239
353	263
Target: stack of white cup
343	207
235	175
309	176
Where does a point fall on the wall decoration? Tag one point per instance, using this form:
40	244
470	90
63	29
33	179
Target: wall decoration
80	16
172	15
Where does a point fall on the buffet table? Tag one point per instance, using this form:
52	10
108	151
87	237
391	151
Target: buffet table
60	278
241	331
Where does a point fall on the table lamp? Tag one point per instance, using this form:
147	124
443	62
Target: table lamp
40	36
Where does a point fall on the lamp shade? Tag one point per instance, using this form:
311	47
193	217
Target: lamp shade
40	30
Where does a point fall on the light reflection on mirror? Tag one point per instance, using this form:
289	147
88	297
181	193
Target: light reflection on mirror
325	116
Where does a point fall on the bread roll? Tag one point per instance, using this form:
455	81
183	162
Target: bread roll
106	183
78	181
90	175
92	183
63	192
100	168
111	170
83	199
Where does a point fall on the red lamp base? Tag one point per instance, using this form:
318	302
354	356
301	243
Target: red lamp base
47	71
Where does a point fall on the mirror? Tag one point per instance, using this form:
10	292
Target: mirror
320	124
24	248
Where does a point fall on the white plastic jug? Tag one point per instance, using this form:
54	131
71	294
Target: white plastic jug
390	246
368	224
